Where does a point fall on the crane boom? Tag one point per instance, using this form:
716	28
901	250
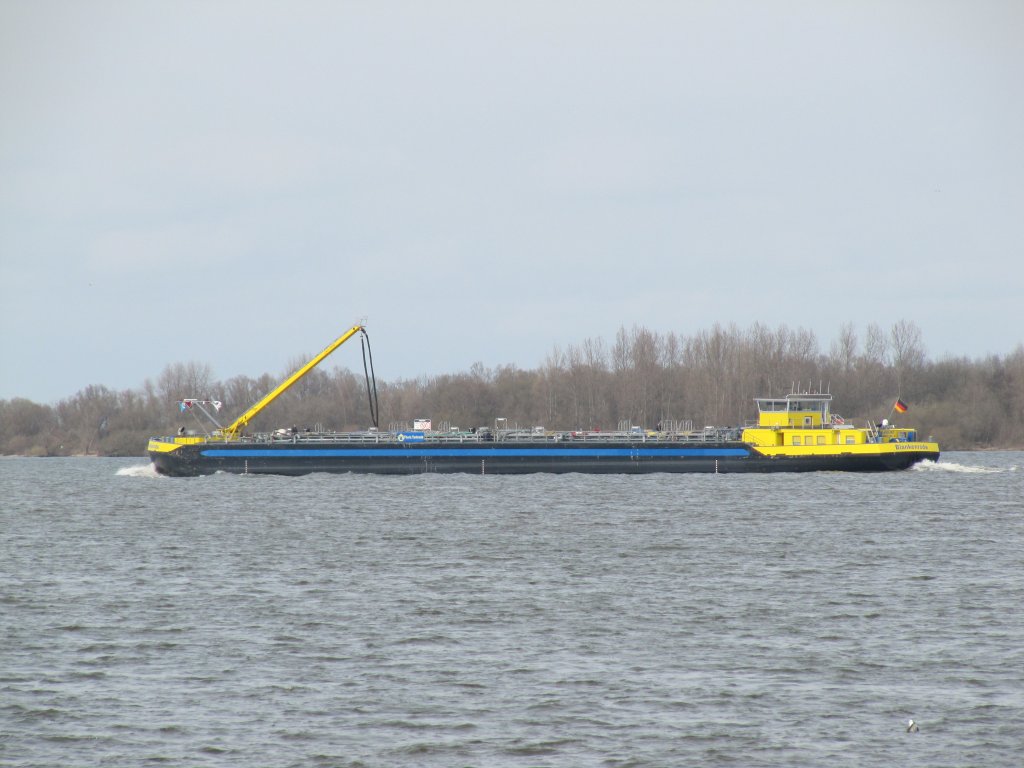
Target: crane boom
239	423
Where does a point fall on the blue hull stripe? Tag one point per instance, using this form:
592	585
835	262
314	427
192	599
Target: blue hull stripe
408	453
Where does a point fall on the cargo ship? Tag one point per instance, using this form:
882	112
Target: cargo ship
794	433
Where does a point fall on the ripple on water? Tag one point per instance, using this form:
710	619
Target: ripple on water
659	620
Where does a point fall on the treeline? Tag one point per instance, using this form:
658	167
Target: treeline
639	378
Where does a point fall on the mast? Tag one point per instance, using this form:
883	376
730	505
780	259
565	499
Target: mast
232	430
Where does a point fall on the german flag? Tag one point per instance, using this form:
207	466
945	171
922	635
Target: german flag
900	406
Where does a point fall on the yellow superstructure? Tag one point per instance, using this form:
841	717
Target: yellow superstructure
803	425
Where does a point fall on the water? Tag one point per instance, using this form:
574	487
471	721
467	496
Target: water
775	620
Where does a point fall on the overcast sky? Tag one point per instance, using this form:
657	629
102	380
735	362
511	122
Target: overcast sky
235	183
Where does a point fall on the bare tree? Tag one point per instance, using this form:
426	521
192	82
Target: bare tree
87	416
876	347
549	383
182	380
843	351
907	350
25	427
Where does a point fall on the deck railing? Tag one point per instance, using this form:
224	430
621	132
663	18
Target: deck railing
709	434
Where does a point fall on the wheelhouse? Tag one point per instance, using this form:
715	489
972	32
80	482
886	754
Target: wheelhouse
807	411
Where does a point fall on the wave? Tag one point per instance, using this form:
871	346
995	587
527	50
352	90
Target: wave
139	470
952	466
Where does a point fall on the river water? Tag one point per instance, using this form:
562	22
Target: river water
658	620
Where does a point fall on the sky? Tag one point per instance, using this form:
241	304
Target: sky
236	183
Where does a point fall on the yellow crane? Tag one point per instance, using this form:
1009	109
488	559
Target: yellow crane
232	430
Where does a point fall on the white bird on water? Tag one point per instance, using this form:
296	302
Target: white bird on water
912	727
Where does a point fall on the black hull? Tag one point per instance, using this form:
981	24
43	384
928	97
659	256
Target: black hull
296	459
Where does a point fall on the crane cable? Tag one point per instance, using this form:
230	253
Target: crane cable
369	375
